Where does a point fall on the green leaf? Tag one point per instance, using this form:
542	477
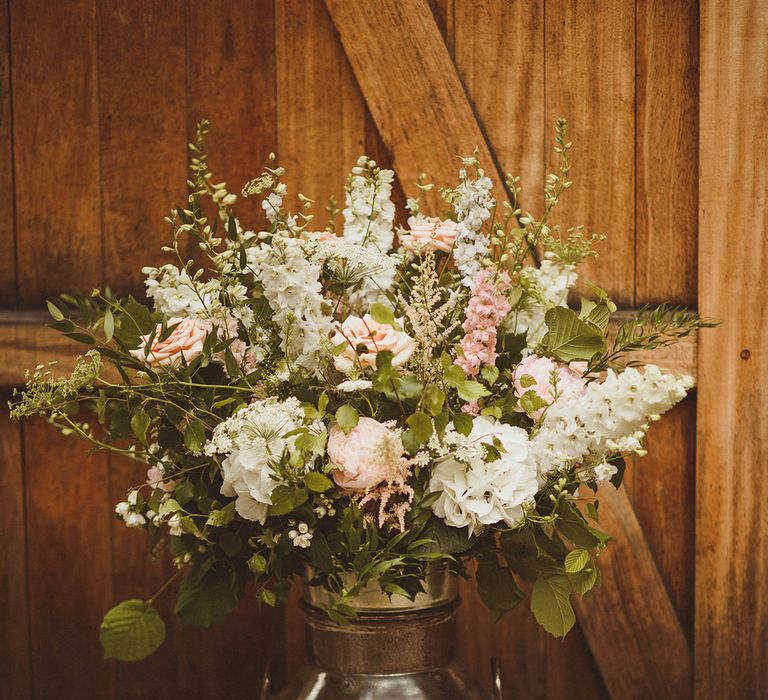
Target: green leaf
205	600
434	398
447	539
222	517
497	588
569	338
267	596
109	325
551	604
139	424
621	466
85	338
596	314
317	482
257	564
55	311
585	580
470	390
194	436
527	381
286	498
381	313
131	631
169	506
576	560
490	373
347	417
421	427
531	402
462	423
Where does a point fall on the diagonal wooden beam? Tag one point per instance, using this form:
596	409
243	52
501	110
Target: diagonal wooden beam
425	118
412	89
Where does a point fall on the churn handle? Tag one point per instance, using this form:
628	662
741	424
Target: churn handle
496	693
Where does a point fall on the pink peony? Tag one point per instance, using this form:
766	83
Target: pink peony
155	480
430	233
186	341
539	370
376	337
365	456
487	308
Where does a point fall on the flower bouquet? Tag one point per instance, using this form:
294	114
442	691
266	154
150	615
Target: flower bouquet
358	404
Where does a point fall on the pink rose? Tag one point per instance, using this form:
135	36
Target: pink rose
376	337
155	480
185	341
366	455
536	374
430	233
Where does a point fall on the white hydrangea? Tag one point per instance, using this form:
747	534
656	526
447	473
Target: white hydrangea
473	203
254	440
474	492
612	416
291	286
369	217
176	295
551	281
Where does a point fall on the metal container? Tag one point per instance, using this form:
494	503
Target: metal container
398	650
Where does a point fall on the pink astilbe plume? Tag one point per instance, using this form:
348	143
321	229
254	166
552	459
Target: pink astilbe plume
392	510
487	308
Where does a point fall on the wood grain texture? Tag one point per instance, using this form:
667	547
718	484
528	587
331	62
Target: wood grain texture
321	114
143	137
630	622
8	289
56	147
731	630
232	82
14	620
68	548
590	81
666	151
412	88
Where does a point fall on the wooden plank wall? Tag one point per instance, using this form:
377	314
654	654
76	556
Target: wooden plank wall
97	101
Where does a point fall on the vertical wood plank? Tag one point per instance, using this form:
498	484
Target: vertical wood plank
68	546
590	81
731	628
321	116
14	627
56	147
143	132
666	193
8	291
232	83
666	150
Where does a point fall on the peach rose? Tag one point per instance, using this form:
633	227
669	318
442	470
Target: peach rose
376	337
365	456
185	341
430	233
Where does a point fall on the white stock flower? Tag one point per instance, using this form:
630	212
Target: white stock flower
292	288
475	492
473	203
254	440
369	217
176	294
612	416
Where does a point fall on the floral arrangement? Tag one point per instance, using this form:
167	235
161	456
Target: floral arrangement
374	400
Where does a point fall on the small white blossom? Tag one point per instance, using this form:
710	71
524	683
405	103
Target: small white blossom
352	385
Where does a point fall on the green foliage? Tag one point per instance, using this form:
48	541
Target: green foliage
551	604
131	631
206	599
347	417
569	338
497	588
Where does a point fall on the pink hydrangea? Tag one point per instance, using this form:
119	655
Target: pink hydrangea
486	310
551	381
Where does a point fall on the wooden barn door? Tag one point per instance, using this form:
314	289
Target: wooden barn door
668	105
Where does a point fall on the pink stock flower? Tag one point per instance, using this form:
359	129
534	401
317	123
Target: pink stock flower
487	308
375	337
549	380
430	233
321	236
185	341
